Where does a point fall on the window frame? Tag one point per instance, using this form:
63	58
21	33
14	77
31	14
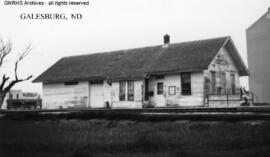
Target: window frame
223	82
186	83
71	83
213	82
160	91
158	77
96	82
130	90
122	90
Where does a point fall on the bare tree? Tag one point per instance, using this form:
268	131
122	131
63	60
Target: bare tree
7	83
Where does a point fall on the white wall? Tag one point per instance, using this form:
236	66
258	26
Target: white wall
195	99
58	94
107	92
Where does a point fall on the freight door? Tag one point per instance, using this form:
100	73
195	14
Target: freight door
96	96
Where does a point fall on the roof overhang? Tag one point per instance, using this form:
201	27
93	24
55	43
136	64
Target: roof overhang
174	71
242	68
61	80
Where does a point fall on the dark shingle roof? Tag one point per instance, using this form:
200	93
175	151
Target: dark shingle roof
135	63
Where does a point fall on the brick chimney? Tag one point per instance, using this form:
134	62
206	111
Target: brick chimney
166	40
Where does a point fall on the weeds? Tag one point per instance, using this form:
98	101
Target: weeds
98	138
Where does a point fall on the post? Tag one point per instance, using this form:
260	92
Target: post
252	98
227	100
207	97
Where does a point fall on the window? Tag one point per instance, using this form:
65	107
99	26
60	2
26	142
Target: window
223	82
130	91
213	81
160	77
186	83
96	82
159	88
29	94
122	90
17	96
70	83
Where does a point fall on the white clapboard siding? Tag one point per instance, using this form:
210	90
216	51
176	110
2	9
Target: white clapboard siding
58	95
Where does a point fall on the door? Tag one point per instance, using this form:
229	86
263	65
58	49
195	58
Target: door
96	96
160	99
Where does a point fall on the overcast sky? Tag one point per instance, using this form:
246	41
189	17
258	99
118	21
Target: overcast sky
121	24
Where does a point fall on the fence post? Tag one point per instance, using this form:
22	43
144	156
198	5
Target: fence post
227	100
252	98
207	96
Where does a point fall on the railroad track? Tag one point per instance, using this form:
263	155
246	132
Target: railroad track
152	114
265	109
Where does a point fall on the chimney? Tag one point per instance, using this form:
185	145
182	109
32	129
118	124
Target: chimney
166	39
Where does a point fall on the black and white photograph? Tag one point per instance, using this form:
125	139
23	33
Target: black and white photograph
134	78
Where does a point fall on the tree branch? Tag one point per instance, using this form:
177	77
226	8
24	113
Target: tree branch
21	57
4	50
4	79
12	83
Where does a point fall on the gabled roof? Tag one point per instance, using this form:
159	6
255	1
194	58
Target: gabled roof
138	62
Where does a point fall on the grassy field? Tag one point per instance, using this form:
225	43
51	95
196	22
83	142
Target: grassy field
119	138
